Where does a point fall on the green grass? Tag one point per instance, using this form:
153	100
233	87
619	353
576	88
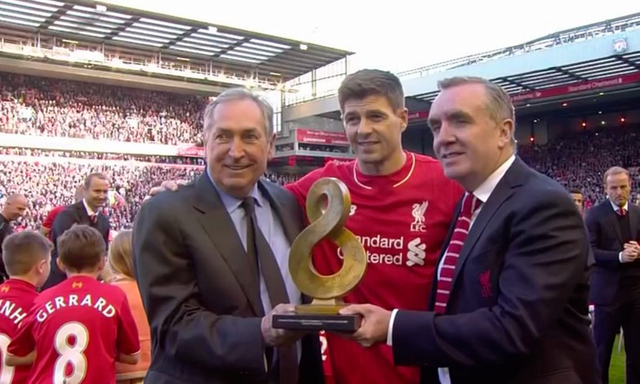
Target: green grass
616	370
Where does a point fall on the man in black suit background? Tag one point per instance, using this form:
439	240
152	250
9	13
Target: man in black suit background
14	207
88	211
212	262
510	298
615	287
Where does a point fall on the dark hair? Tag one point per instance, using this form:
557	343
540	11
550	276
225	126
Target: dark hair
371	82
81	248
576	191
95	175
21	251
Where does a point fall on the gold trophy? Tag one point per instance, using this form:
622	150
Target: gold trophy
328	206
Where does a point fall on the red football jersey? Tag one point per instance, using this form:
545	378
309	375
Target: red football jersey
51	217
16	300
77	328
402	220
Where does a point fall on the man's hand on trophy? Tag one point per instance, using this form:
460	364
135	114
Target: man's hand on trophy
374	326
275	337
170	185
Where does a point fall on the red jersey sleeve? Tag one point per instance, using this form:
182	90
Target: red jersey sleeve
128	341
24	343
51	216
301	188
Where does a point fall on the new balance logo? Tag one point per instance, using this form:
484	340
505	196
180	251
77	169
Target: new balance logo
416	254
418	216
77	284
4	289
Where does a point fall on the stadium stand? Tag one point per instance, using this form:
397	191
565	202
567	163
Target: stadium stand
579	159
50	107
49	181
49	178
15	151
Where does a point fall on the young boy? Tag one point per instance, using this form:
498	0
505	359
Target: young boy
80	327
27	258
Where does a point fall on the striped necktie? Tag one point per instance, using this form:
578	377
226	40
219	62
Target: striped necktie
469	205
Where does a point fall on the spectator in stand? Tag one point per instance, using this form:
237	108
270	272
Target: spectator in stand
578	199
88	212
14	207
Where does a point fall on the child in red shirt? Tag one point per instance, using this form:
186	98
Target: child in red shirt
80	327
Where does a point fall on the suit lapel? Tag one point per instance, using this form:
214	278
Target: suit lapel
81	211
501	193
613	220
215	220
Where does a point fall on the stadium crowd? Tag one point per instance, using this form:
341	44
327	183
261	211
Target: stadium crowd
14	151
575	160
48	183
60	108
579	160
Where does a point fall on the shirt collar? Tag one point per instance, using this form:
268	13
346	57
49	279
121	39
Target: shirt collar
232	203
615	207
486	188
90	211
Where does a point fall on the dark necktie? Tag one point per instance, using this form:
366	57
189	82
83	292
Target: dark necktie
93	218
261	258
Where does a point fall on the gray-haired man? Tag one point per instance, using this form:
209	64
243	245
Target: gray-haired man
209	279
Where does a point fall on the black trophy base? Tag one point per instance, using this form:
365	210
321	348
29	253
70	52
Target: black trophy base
317	322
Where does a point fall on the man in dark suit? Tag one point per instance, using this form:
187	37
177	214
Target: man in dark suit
14	207
615	289
510	301
87	211
212	262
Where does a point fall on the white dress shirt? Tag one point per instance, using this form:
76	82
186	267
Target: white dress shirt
482	193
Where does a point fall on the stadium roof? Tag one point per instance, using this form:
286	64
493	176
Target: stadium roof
231	48
618	64
563	75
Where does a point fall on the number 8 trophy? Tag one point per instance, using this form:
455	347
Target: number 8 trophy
326	291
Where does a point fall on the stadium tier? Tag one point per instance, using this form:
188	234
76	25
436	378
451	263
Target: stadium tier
50	107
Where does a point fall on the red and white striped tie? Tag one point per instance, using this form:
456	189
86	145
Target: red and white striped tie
469	205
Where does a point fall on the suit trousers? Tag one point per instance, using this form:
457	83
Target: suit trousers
623	312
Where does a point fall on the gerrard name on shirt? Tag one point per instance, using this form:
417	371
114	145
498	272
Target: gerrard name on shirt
58	302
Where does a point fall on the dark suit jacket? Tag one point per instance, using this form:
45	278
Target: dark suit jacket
518	309
201	301
607	243
73	214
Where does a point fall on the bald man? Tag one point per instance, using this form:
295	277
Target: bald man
13	209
